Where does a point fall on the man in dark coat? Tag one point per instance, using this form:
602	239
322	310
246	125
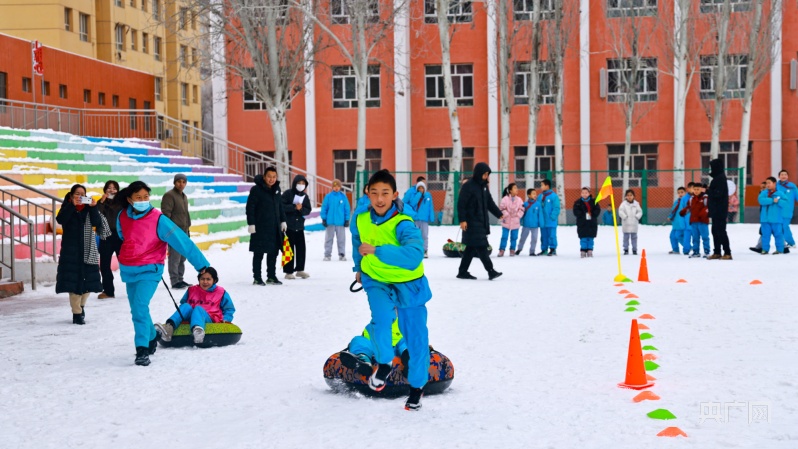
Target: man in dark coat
296	205
718	204
266	220
174	205
472	208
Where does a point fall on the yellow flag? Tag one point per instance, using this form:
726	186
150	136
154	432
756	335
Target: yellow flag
606	190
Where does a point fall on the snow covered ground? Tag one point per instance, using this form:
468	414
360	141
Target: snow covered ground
537	356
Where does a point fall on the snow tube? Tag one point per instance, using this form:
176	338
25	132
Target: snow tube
343	379
216	334
455	249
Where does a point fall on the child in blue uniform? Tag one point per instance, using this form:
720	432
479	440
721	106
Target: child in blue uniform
677	225
531	222
770	216
548	226
688	234
789	195
388	252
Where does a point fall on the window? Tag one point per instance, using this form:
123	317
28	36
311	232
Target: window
345	87
115	101
132	3
523	9
730	155
86	96
156	9
252	101
3	90
27	85
120	37
345	162
145	42
46	88
544	161
158	88
194	59
339	10
62	91
708	6
119	3
545	80
623	79
195	94
132	107
184	132
134	38
147	117
462	84
631	8
736	71
642	157
156	48
459	11
68	19
182	57
84	27
101	98
183	18
184	93
144	5
439	165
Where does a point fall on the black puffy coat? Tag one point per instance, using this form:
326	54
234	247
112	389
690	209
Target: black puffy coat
295	219
110	209
265	211
73	275
473	206
587	228
718	191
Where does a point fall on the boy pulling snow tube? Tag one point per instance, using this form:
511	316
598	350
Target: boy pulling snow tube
455	249
343	379
216	334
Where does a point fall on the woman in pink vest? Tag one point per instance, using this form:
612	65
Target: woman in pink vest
145	234
201	304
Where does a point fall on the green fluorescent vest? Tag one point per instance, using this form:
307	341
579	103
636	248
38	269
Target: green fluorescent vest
381	235
396	335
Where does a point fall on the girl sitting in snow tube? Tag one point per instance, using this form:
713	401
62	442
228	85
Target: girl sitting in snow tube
202	304
350	369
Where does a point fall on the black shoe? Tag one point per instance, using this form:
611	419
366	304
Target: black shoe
83	312
377	380
142	356
493	275
786	250
258	282
626	252
153	346
552	252
754	249
358	363
518	252
273	281
634	253
543	253
414	400
180	285
77	319
465	275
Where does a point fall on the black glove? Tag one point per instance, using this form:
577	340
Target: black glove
324	223
346	224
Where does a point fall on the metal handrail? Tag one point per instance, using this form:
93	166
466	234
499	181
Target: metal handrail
38	213
31	244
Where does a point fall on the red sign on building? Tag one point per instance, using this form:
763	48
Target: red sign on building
36	58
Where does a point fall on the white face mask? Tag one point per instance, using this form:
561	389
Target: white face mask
300	187
110	196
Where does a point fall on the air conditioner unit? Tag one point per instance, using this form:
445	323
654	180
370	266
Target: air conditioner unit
793	74
603	83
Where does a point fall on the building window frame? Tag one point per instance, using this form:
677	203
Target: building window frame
184	93
345	163
63	91
631	8
736	71
642	157
184	134
87	96
648	80
544	161
344	87
730	154
85	27
145	43
133	118
523	10
339	12
462	84
710	6
438	163
158	88
134	37
521	76
459	12
27	84
101	98
68	19
119	37
157	44
115	101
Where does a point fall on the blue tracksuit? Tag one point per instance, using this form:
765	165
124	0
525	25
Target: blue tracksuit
771	219
142	281
197	316
550	210
335	208
789	195
420	207
677	228
406	300
363	345
533	214
688	235
362	203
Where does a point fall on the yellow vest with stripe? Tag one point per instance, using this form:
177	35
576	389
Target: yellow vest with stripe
381	235
396	334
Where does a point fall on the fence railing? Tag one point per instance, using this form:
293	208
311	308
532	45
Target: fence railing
40	209
654	189
11	224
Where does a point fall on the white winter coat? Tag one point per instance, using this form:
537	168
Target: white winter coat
630	214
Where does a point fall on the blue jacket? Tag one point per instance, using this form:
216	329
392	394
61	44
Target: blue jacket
362	204
677	222
771	212
550	209
682	204
409	254
170	233
789	195
420	207
335	209
409	194
228	310
532	214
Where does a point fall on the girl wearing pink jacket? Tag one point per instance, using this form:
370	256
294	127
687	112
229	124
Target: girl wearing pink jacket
513	209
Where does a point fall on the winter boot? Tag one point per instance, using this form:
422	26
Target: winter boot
302	274
695	255
786	250
273	281
199	335
83	312
582	254
359	363
327	258
513	253
634	252
465	275
493	275
714	257
342	258
377	380
755	249
426	256
142	356
518	253
414	400
726	257
153	346
290	276
501	253
590	253
258	282
165	330
552	252
77	319
626	252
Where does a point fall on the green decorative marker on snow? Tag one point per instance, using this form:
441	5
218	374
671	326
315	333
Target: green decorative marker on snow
661	413
633	303
645	336
630	309
649	348
650	366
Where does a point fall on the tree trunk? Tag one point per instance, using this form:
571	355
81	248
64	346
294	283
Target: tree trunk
280	133
559	167
627	156
362	76
720	78
682	21
532	132
717	125
504	91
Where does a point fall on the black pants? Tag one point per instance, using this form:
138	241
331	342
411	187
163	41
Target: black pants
719	237
297	241
468	255
112	244
271	263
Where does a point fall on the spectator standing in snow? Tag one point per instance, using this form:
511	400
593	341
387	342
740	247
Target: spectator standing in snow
411	192
110	210
335	219
473	207
512	209
78	270
419	207
771	216
683	205
677	225
630	214
174	205
530	223
758	248
266	220
718	204
789	193
587	213
551	213
297	205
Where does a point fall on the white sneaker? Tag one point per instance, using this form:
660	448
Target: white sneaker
302	274
199	335
165	330
342	258
290	276
327	258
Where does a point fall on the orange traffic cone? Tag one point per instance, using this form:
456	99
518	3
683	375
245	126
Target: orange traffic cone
635	368
642	276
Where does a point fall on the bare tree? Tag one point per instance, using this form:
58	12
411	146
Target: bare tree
502	15
632	73
533	87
